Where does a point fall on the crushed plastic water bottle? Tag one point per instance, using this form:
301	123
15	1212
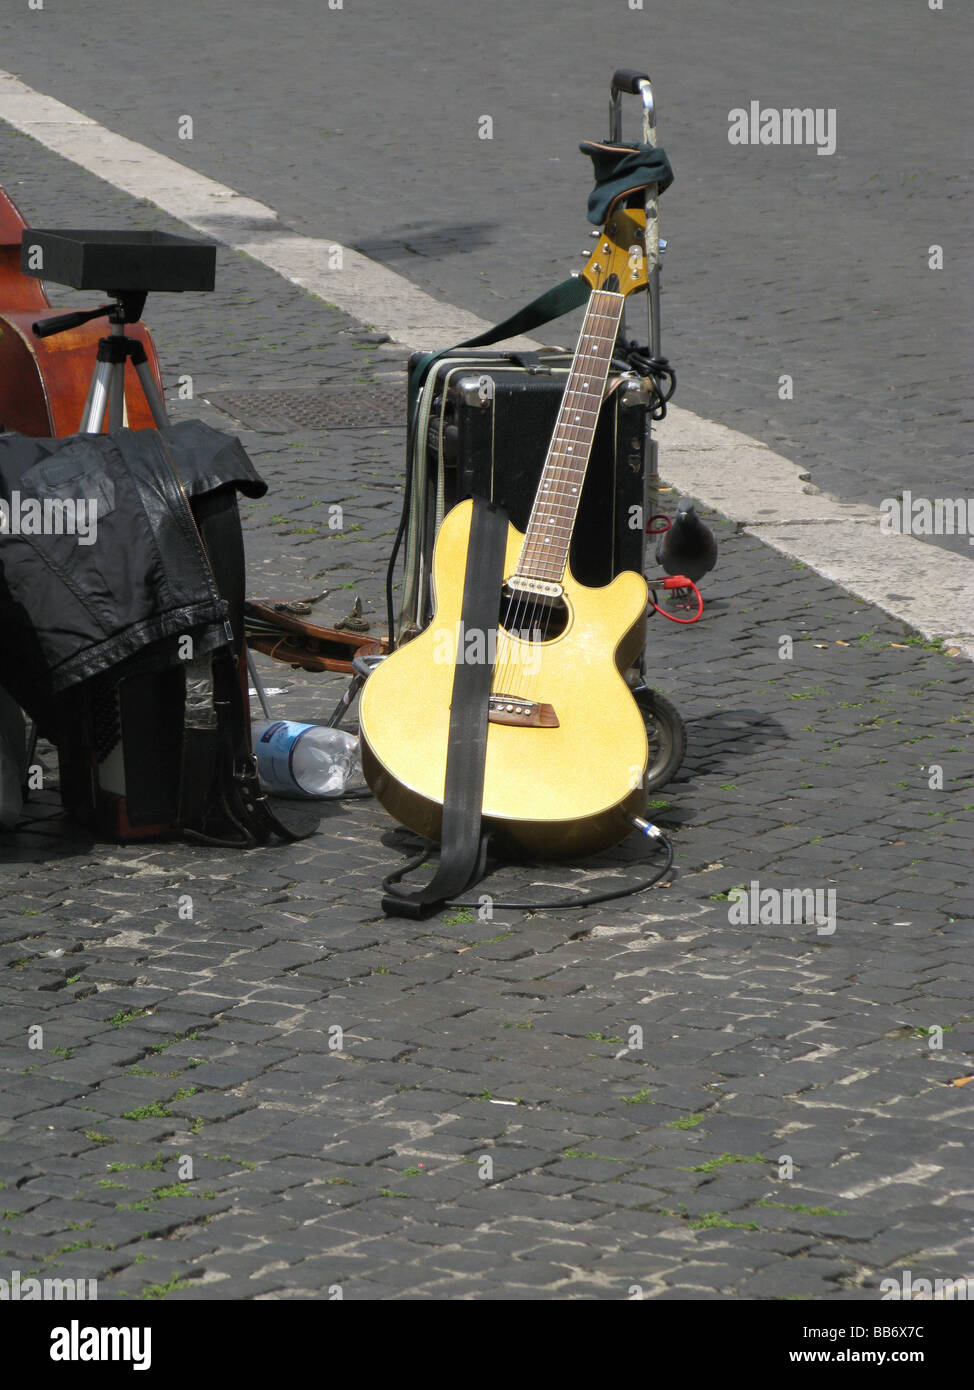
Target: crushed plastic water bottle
304	760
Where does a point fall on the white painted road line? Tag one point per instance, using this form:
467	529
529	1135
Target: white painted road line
930	589
367	291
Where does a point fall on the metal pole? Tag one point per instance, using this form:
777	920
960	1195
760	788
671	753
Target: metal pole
258	685
99	392
152	394
116	392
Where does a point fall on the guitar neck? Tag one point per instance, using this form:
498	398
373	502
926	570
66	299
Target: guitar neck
547	541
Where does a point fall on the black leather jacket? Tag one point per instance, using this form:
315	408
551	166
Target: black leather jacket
72	607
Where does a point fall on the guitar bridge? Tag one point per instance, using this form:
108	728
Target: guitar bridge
526	714
524	584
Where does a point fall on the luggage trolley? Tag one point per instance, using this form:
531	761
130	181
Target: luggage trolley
638	84
667	733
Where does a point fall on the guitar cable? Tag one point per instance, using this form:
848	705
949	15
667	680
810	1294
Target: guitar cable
403	522
646	828
659	371
676	581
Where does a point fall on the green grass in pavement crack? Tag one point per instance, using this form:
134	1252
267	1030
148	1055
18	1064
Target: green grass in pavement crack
640	1098
171	1042
723	1161
125	1016
601	1037
687	1122
164	1193
800	1206
706	1221
585	1153
718	1220
723	897
156	1110
163	1290
175	1189
153	1111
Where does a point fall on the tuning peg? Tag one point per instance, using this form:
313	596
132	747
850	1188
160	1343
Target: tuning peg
585	254
597	232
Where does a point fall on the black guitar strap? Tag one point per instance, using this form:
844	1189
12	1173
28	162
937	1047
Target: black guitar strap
462	848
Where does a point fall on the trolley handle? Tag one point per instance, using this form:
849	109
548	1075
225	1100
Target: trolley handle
628	80
636	84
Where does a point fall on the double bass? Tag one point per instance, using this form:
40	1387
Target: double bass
44	381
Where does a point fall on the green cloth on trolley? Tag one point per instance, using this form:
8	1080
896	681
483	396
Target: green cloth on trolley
621	169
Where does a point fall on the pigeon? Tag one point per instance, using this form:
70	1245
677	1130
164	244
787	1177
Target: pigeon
689	546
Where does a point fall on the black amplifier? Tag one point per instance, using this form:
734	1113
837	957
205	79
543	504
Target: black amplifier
488	419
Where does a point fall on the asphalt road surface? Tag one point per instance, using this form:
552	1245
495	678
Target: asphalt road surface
364	123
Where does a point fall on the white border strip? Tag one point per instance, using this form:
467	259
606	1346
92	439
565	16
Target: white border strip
924	586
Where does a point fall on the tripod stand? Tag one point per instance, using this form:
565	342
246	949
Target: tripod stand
106	391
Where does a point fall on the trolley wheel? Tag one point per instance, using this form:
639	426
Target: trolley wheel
667	736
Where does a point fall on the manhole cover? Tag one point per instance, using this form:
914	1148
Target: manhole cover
359	405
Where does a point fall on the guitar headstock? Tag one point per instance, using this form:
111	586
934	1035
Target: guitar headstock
619	251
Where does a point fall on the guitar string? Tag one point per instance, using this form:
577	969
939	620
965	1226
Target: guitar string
598	337
557	474
559	471
562	470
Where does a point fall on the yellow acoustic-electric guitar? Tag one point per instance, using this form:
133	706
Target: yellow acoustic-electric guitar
566	743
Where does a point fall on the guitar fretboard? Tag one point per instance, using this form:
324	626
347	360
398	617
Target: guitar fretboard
544	555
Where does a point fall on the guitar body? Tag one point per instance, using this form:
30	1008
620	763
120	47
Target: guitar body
560	790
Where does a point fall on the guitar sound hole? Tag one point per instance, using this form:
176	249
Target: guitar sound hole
532	617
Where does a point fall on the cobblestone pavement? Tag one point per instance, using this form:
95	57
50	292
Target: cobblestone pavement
363	124
534	1106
